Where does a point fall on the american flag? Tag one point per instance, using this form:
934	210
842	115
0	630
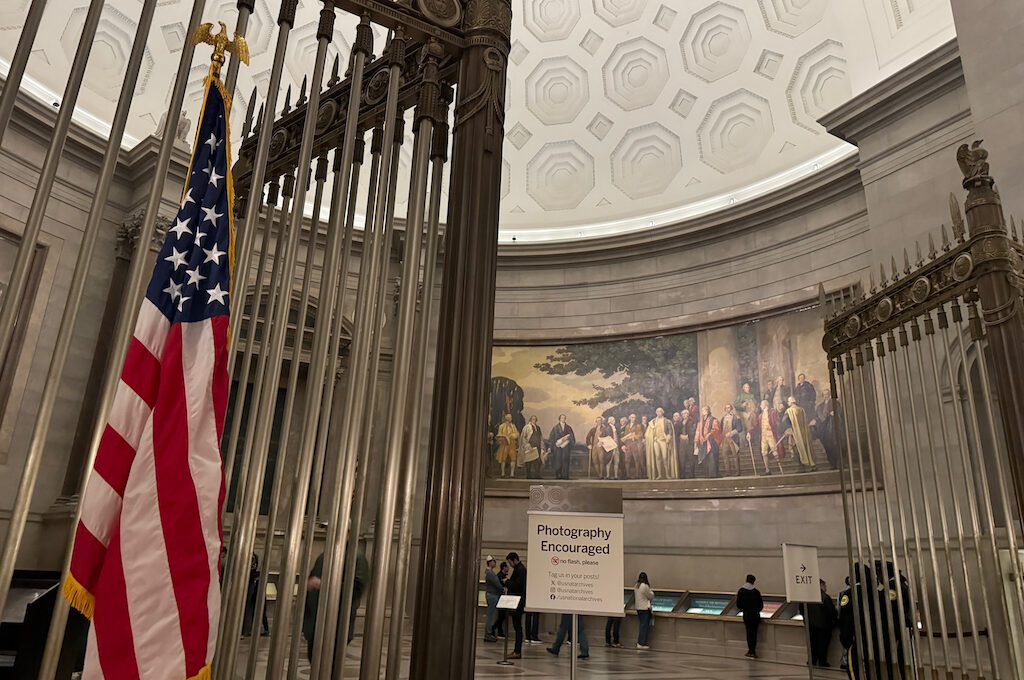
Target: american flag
146	559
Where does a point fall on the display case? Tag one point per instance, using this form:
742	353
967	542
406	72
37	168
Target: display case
790	612
627	598
666	600
773	604
710	604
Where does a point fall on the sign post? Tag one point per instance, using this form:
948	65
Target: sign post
800	563
576	550
509	603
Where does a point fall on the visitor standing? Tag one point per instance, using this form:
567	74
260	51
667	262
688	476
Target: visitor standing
580	637
516	585
612	627
750	604
821	619
643	598
493	591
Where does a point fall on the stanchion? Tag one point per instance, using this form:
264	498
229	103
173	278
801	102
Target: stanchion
575	651
810	651
504	654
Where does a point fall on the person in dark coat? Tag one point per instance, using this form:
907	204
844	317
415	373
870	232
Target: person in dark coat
750	604
858	601
516	585
252	596
805	394
561	432
821	619
313	583
824	430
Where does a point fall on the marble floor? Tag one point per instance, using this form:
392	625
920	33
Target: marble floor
622	664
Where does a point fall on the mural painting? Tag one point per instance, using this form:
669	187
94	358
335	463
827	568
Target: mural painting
740	400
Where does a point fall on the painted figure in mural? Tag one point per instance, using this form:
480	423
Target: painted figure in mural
612	457
708	440
560	441
632	436
661	447
732	436
743	398
751	425
531	446
769	428
824	429
780	393
805	394
687	455
508	446
596	448
795	423
691	405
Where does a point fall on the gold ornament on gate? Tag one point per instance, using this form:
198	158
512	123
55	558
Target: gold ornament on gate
221	43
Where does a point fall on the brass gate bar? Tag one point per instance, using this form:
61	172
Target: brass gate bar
929	331
400	585
330	378
340	625
243	530
916	570
292	388
837	368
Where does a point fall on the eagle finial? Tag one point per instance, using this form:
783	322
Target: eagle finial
221	44
973	160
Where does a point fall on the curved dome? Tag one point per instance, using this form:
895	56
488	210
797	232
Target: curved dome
621	114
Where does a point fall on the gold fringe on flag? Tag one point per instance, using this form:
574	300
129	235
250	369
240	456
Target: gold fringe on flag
203	674
78	597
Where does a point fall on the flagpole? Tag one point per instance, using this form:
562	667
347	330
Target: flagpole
245	9
18	63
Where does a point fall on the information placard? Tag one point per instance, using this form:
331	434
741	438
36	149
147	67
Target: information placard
800	563
576	562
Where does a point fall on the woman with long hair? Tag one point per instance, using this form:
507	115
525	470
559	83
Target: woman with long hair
643	597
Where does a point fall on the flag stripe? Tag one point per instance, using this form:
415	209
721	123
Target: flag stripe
115	641
200	383
114	459
179	506
87	558
100	507
152	605
129	414
141	372
151	328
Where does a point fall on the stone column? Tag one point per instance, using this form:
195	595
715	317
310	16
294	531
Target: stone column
993	68
444	631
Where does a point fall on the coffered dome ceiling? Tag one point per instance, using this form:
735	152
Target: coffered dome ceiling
622	114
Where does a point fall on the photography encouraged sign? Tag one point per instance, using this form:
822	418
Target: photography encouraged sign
576	558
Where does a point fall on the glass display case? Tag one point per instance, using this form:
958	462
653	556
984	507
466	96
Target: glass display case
706	603
627	598
772	605
666	601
